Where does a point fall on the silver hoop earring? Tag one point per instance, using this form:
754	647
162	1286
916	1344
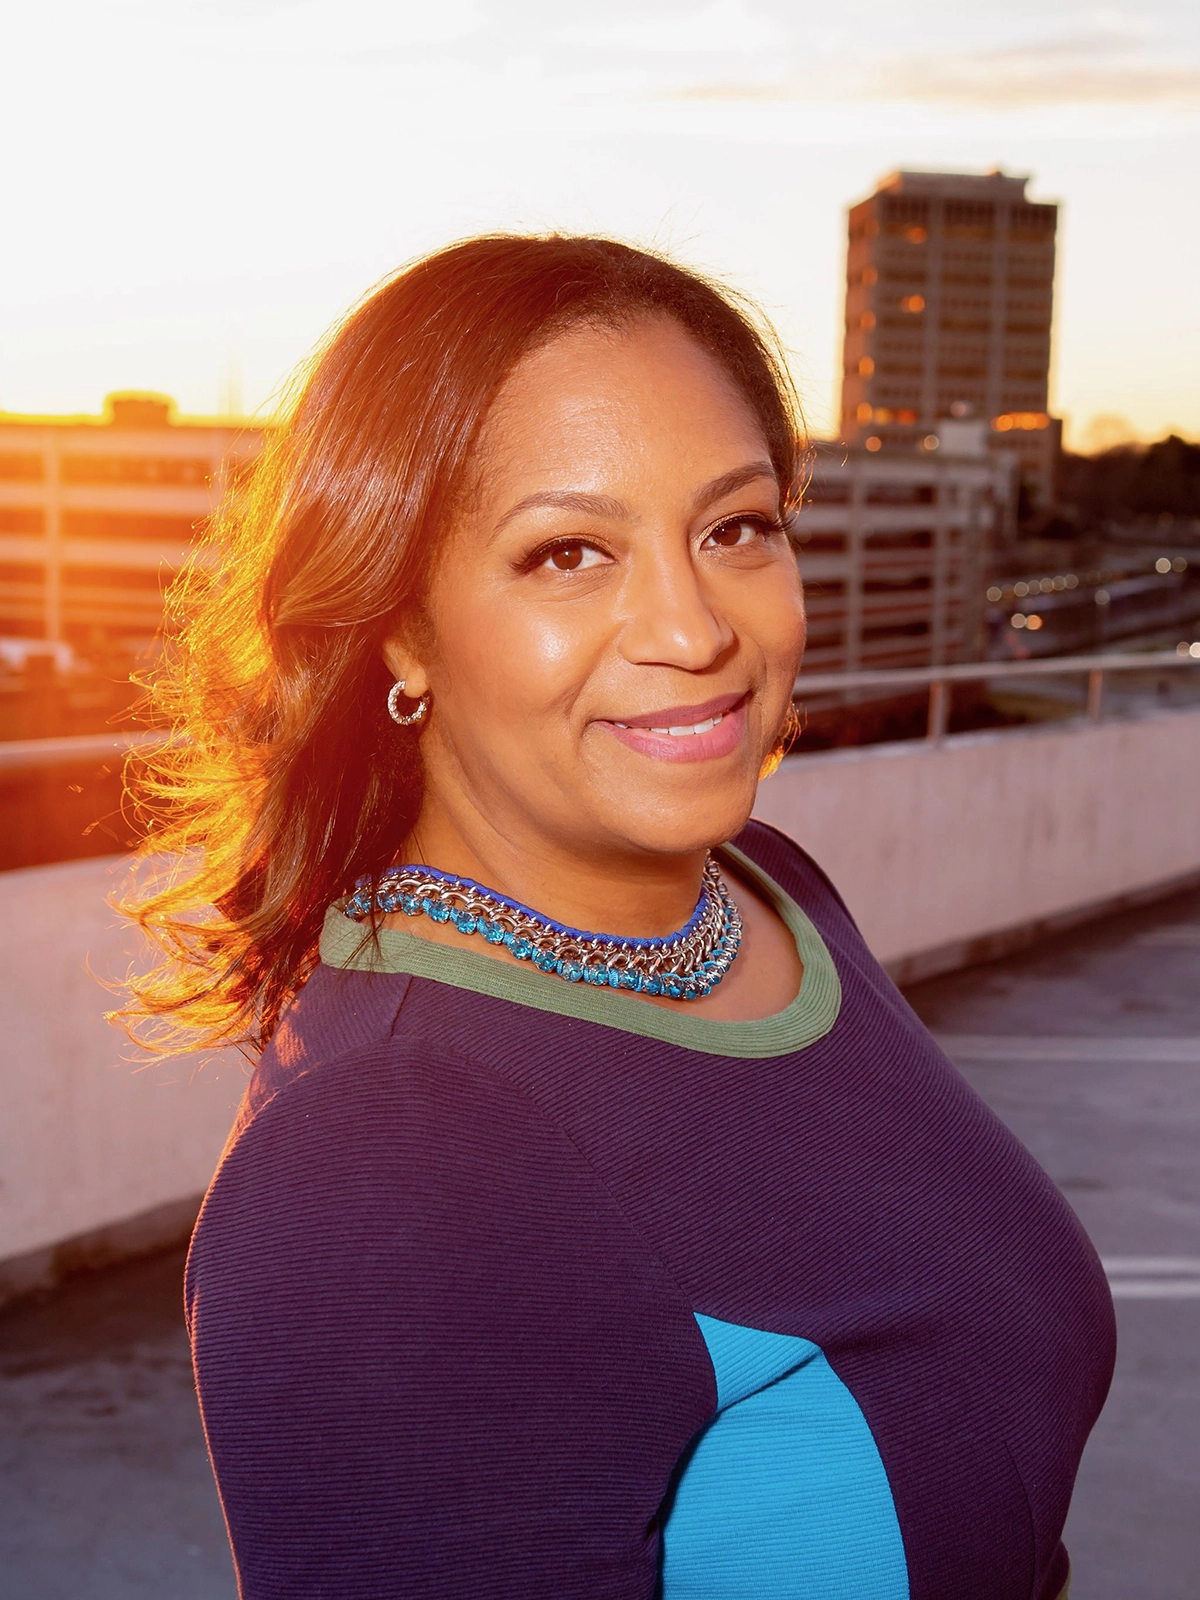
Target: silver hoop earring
406	719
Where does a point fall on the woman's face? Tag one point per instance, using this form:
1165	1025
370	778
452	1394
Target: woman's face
617	616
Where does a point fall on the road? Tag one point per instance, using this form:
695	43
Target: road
1088	1046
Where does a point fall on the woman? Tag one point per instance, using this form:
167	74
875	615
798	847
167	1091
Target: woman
671	1258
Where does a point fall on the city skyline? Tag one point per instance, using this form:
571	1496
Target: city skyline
202	187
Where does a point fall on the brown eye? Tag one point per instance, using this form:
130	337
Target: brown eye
739	530
566	557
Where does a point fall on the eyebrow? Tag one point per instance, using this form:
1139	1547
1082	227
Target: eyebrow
591	505
731	482
603	505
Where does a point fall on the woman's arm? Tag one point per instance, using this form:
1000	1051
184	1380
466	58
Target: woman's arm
433	1359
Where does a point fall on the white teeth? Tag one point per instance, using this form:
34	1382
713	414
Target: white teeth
688	732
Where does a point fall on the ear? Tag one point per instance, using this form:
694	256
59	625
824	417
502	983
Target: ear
401	662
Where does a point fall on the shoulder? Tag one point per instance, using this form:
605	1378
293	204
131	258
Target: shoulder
336	1014
400	1160
365	1129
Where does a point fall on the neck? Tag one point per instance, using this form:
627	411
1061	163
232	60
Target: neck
617	891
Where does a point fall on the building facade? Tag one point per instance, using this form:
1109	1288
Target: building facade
97	514
894	546
949	307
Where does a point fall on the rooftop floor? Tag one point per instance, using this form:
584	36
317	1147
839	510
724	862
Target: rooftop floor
1088	1046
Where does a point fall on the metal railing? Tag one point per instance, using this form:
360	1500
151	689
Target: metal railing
28	755
940	680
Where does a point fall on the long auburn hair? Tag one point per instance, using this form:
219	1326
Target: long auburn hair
285	779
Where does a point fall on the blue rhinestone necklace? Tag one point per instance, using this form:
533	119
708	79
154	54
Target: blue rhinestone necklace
682	966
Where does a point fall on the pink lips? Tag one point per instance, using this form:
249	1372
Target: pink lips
727	712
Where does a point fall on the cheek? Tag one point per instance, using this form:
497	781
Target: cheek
510	661
775	621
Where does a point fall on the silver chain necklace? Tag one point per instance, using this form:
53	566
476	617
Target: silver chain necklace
682	966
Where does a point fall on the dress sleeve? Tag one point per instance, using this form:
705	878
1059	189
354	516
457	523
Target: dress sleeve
432	1357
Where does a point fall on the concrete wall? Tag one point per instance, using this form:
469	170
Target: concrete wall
97	1146
947	853
940	853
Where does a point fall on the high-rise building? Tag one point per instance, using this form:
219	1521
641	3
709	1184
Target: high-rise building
949	300
97	514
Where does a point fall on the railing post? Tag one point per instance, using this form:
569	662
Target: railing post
939	710
1095	694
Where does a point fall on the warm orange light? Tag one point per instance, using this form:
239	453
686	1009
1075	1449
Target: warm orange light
863	412
1021	421
866	366
907	417
913	303
874	442
867	320
882	414
916	235
1033	622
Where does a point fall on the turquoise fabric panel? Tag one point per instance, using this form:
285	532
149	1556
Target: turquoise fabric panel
784	1497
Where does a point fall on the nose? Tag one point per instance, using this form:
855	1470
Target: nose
669	618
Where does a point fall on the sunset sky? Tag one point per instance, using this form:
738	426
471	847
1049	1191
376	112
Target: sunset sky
194	189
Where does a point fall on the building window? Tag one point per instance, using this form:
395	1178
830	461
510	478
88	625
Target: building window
22	519
912	584
23	466
912	539
901	494
895	630
174	471
124	525
1033	224
834	639
128	578
906	218
826	494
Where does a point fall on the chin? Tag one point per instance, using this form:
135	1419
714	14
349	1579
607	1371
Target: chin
672	827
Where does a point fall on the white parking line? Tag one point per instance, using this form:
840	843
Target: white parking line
1014	1047
1153	1277
1154	1265
1154	1288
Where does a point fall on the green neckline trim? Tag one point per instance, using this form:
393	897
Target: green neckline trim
810	1016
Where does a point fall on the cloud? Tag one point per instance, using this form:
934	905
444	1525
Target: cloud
1036	76
1101	67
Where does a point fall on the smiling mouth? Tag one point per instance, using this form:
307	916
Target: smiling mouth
684	722
685	730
